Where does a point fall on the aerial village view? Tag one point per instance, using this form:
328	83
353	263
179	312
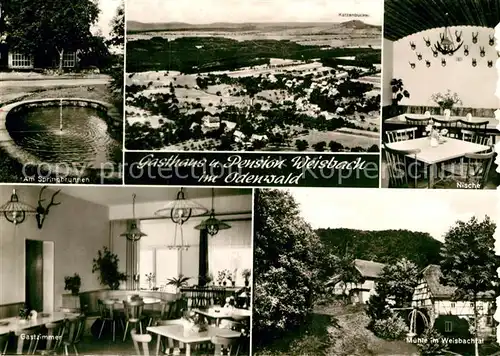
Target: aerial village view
308	84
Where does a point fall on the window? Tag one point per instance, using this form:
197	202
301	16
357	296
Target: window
233	259
69	59
231	250
19	60
163	263
453	305
448	326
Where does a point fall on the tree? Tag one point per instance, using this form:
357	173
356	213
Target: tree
347	272
399	281
117	32
335	146
319	146
301	145
469	262
396	283
39	26
293	265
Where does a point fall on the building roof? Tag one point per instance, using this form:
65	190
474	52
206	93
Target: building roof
369	269
432	275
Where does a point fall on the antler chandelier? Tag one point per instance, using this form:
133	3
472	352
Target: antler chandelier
446	45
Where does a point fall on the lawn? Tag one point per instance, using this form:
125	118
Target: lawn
345	139
339	331
98	92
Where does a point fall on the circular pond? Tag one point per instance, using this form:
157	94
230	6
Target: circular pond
63	134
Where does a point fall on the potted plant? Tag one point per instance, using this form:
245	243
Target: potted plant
150	277
179	282
246	276
221	277
24	314
398	94
106	264
446	100
73	283
232	278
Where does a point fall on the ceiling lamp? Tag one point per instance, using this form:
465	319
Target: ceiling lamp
15	211
181	209
212	224
133	232
446	45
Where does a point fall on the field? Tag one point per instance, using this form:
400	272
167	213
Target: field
347	34
266	87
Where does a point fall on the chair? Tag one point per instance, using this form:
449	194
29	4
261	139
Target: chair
473	171
4	340
224	344
420	123
108	313
56	329
75	327
21	336
401	135
474	137
171	344
451	126
133	315
398	164
143	339
155	315
478	126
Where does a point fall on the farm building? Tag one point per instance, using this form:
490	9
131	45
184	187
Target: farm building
451	317
359	293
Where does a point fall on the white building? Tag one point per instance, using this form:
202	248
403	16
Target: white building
445	312
360	293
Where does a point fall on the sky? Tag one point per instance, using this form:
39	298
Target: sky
432	211
238	11
108	11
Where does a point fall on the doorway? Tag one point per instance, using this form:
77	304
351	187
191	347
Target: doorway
39	275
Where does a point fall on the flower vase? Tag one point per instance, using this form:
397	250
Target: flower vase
186	325
434	139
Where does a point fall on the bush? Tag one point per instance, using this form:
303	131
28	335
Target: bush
429	347
392	328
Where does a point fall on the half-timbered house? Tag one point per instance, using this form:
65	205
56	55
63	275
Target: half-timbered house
451	317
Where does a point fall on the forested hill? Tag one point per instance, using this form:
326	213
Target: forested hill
383	246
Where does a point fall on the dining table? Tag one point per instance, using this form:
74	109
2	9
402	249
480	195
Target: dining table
17	325
146	300
189	338
218	313
448	149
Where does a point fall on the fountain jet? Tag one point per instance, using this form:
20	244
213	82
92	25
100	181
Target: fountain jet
60	117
